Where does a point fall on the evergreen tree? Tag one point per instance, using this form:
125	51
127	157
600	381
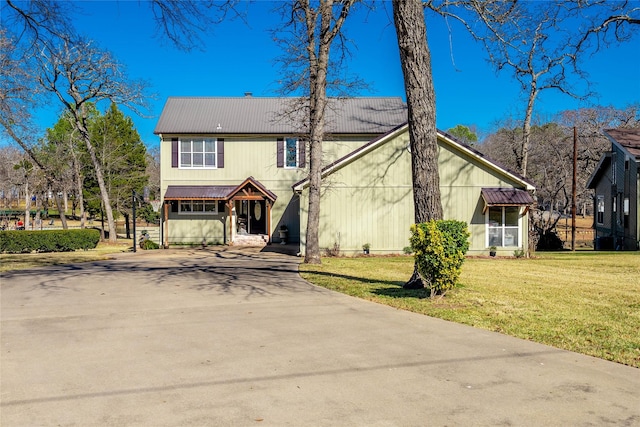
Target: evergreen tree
123	158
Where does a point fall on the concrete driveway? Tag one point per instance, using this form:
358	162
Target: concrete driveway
237	338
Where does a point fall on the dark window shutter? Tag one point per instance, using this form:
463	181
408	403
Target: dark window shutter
174	152
280	161
302	154
220	149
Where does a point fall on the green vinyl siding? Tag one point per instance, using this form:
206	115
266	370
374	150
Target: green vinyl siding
195	228
370	200
245	156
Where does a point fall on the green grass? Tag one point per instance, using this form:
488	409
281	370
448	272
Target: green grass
587	302
103	251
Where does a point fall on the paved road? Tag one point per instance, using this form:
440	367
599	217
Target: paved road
236	338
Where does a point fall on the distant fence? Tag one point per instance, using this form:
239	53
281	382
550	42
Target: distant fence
584	238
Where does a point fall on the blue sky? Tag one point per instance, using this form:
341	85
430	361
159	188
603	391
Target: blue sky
238	58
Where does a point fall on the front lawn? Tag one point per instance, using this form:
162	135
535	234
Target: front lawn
587	302
103	251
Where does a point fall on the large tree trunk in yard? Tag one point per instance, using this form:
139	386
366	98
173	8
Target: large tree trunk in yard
97	167
415	60
61	212
318	66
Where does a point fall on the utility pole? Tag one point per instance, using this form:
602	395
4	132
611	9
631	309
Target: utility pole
573	189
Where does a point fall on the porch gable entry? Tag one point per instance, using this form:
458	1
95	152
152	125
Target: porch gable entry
207	197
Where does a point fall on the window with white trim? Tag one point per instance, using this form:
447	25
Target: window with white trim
291	153
197	153
198	207
503	226
600	209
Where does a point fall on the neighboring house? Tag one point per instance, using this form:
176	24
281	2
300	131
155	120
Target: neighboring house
616	182
233	168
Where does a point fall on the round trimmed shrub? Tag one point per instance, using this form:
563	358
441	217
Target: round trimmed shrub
439	249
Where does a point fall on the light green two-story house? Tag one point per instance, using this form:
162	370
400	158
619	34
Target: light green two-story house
233	169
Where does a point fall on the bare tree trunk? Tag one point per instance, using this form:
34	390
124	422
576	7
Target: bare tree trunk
27	204
80	198
318	101
103	190
526	128
63	216
37	218
318	47
97	167
415	60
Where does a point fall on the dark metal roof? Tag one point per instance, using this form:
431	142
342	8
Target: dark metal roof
627	138
198	192
215	192
506	197
252	115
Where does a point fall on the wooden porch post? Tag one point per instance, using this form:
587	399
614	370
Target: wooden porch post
166	225
230	209
268	203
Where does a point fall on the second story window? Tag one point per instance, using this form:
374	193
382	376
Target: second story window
198	153
291	153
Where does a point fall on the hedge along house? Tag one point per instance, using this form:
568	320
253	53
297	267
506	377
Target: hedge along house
232	168
616	181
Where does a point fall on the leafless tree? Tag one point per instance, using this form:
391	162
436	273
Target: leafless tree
551	157
415	60
79	74
9	176
313	31
543	44
409	20
181	22
607	23
19	92
534	44
64	149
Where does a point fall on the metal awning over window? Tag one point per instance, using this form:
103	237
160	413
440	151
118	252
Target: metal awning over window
506	197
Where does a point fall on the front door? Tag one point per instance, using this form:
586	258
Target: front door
257	217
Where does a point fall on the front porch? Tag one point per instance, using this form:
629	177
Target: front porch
232	215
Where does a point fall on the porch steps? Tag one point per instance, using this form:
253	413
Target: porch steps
153	232
250	240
